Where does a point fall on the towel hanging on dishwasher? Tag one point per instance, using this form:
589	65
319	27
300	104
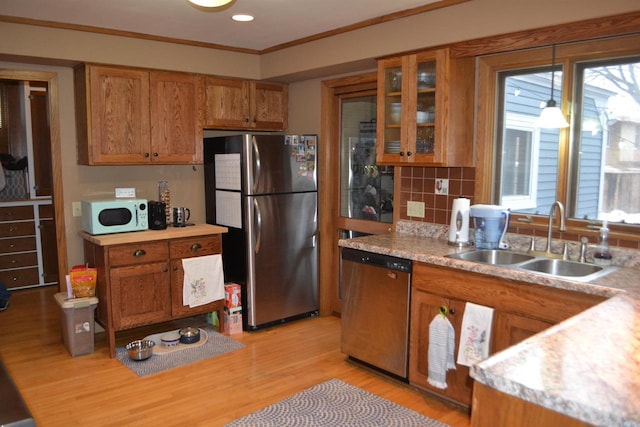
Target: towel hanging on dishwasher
441	347
475	335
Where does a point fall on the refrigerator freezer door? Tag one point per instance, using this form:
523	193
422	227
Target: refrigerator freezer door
277	164
282	257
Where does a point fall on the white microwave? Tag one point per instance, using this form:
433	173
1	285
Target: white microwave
114	216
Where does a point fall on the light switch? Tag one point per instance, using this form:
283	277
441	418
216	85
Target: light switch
77	208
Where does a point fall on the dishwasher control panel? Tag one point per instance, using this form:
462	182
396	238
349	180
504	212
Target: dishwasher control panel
379	260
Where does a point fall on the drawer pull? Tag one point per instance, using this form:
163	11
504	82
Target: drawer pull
139	252
164	270
196	247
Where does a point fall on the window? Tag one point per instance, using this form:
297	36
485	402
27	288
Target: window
529	155
592	167
607	176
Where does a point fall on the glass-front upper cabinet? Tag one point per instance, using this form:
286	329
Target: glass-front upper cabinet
425	110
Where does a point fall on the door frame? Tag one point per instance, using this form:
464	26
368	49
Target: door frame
329	190
56	159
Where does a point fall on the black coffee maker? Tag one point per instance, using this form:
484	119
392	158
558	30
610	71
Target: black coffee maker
157	215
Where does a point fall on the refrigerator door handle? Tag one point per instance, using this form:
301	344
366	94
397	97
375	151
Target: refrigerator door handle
258	232
256	162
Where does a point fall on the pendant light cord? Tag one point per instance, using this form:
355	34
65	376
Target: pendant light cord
553	69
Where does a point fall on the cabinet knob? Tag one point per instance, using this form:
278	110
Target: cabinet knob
175	268
155	154
146	154
401	153
164	270
139	252
196	247
246	119
409	153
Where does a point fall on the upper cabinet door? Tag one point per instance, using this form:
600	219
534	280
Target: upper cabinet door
226	103
242	104
269	106
424	110
113	117
176	118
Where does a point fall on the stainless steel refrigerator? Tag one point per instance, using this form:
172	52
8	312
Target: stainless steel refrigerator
264	189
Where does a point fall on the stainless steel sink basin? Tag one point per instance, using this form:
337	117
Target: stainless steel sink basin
559	267
493	257
530	263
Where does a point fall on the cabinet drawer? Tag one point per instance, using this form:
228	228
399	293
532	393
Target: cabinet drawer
15	213
15	229
18	260
197	246
45	211
20	244
140	253
20	277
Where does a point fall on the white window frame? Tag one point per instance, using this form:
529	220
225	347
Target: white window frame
526	123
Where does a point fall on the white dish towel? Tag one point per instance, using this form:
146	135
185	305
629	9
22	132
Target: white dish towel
203	280
442	340
475	336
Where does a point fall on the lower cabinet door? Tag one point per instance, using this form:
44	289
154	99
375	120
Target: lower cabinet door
178	309
424	307
511	329
140	295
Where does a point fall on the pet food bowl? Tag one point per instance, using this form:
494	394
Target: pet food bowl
189	335
170	339
140	349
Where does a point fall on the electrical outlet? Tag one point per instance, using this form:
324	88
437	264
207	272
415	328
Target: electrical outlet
415	209
442	186
77	208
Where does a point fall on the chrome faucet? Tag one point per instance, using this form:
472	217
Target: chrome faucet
563	226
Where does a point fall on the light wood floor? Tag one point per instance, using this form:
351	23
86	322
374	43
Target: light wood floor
94	390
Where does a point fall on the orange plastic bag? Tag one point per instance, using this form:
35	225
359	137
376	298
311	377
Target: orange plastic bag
83	281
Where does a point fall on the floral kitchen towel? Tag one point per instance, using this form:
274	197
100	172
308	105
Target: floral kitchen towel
442	339
475	335
203	280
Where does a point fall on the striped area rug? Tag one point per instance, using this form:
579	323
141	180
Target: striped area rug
216	345
335	403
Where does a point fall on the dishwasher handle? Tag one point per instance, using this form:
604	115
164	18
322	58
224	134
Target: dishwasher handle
379	260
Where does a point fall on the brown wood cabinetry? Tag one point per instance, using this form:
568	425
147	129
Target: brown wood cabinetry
493	408
425	110
176	117
137	116
24	262
520	310
242	104
141	283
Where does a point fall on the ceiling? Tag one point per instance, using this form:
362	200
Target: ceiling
276	21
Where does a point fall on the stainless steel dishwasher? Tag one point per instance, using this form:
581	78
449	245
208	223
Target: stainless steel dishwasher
375	293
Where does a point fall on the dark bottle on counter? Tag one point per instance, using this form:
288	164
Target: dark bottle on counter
602	255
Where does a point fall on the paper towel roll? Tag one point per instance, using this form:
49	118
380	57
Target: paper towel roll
459	210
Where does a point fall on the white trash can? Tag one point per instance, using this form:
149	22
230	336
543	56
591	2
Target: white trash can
77	323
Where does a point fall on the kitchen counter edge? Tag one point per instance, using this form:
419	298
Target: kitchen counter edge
153	235
572	341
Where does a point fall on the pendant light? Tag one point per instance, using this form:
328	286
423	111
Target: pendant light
551	116
210	3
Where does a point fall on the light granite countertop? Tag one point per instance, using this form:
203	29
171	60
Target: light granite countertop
587	367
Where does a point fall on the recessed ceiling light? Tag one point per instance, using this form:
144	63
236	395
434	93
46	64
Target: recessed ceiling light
242	18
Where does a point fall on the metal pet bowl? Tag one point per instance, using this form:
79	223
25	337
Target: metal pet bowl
189	335
140	349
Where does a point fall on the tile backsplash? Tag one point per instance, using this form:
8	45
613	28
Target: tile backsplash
419	184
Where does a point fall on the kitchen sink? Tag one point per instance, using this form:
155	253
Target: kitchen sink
567	269
560	268
492	256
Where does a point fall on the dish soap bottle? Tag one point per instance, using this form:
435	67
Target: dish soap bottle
602	255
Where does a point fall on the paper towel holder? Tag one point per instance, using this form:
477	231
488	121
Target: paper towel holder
457	232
